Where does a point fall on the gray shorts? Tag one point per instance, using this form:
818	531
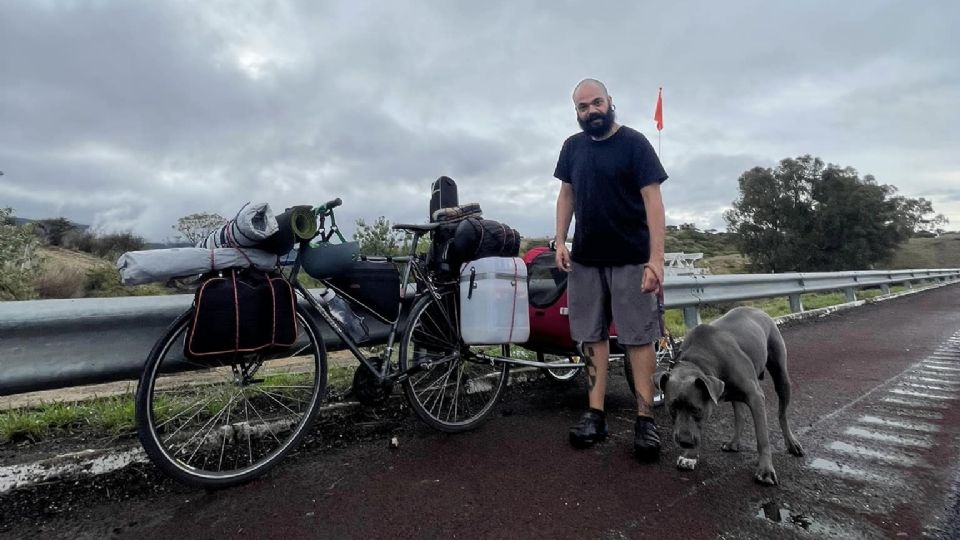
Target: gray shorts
598	295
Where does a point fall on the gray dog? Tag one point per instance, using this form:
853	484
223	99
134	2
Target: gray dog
725	360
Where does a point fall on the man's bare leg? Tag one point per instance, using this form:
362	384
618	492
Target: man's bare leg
597	358
643	362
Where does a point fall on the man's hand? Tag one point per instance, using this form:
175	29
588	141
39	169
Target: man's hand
652	278
563	257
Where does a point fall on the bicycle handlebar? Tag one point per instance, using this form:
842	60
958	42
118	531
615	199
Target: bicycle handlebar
327	207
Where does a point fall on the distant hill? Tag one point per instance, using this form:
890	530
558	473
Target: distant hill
942	252
18	221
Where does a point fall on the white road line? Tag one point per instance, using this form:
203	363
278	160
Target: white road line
941	368
914	403
933	380
922	395
913	440
863	451
828	466
899	424
928	387
898	410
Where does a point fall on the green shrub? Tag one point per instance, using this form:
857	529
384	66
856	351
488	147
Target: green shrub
18	258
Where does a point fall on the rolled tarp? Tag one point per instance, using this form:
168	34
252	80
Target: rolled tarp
161	265
253	224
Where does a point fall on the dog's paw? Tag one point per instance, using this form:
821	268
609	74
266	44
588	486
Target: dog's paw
686	464
766	475
794	448
730	446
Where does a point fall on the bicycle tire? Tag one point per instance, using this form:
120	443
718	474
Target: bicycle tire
174	389
432	340
559	374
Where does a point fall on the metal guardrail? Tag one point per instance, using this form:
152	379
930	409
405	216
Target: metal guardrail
691	292
48	344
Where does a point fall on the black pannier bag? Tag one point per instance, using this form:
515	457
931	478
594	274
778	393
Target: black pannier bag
478	238
241	311
376	285
443	194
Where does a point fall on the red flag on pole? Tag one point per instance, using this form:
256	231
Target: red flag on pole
658	114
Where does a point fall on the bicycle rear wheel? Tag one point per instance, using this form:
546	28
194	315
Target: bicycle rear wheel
220	422
454	389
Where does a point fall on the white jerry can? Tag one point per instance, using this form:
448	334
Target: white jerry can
493	301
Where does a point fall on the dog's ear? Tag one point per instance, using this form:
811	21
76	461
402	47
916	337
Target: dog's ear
712	385
660	379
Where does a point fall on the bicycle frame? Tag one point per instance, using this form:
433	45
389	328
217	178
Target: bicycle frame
411	268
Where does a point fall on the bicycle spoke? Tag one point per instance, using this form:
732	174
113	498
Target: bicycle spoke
275	400
269	428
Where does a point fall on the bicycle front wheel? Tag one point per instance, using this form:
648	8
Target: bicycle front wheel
453	389
219	422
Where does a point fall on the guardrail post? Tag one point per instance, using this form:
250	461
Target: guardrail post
691	316
851	294
908	284
796	305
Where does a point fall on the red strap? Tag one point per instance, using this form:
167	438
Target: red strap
236	311
232	242
513	310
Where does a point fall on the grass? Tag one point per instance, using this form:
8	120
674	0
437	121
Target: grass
110	415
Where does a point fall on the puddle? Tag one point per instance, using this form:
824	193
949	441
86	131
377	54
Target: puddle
884	437
776	513
871	453
900	424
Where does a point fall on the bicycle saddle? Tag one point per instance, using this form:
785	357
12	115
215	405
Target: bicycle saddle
422	228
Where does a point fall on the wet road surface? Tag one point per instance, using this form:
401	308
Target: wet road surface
875	405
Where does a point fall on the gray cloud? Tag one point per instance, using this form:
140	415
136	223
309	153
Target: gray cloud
130	115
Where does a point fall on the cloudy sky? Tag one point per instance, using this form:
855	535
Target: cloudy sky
128	115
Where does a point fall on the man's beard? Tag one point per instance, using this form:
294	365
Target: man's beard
598	129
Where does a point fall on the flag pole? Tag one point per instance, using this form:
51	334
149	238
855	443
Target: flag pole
658	117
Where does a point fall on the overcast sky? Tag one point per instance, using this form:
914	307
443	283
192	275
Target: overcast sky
128	115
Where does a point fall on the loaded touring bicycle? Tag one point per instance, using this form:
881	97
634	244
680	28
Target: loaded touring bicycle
236	381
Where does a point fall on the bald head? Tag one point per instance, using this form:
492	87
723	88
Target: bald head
591	84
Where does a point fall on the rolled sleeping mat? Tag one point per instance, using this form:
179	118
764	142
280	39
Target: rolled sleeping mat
295	223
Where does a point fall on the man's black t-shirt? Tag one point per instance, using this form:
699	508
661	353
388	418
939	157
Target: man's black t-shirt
611	226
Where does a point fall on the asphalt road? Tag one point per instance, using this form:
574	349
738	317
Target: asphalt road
875	406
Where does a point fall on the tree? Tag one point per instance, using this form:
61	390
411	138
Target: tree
54	230
772	218
18	258
804	216
196	227
378	238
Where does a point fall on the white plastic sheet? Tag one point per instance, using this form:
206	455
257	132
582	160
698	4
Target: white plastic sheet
160	265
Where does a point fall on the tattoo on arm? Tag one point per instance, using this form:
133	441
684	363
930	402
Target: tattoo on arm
591	368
